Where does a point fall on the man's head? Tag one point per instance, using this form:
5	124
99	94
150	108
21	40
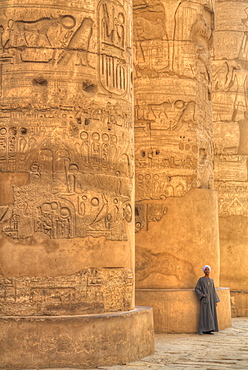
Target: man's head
206	269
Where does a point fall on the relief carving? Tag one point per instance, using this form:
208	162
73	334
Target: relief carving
230	113
66	203
244	45
77	150
78	45
243	132
150	36
169	116
30	33
192	41
37	40
173	120
147	212
114	71
149	263
233	198
66	154
98	290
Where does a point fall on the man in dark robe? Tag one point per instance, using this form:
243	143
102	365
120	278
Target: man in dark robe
206	293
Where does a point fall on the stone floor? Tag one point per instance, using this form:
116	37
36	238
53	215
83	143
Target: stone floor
227	349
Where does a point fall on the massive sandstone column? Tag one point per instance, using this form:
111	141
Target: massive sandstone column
230	113
66	178
176	206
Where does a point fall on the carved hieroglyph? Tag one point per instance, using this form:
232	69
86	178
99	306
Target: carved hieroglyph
172	97
230	109
230	114
173	116
66	149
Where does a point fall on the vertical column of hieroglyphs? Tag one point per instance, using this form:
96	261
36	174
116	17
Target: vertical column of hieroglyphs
230	113
66	157
173	138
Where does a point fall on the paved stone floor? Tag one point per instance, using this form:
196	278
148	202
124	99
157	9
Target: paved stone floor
227	349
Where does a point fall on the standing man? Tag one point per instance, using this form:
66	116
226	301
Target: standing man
208	297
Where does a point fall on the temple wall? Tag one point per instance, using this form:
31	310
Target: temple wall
230	145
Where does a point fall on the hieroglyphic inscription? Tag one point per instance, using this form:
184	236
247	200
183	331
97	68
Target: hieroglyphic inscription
55	126
98	290
230	109
66	153
114	43
145	213
61	199
232	198
173	121
150	36
35	40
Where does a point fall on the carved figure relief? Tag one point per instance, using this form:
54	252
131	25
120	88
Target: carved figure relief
78	45
76	148
37	40
148	263
169	116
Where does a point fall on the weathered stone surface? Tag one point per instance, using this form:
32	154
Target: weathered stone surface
239	303
90	290
173	121
230	144
178	310
66	157
171	251
224	350
176	208
75	341
173	124
67	186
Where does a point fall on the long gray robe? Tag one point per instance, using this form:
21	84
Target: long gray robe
208	317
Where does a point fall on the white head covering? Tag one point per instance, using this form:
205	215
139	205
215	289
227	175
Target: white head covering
203	269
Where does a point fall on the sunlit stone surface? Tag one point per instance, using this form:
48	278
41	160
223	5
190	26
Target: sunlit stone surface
176	205
231	146
66	165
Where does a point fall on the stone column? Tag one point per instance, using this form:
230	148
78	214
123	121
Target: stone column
230	113
66	162
176	206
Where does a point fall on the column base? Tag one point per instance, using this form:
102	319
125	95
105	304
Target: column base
239	303
177	310
76	341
